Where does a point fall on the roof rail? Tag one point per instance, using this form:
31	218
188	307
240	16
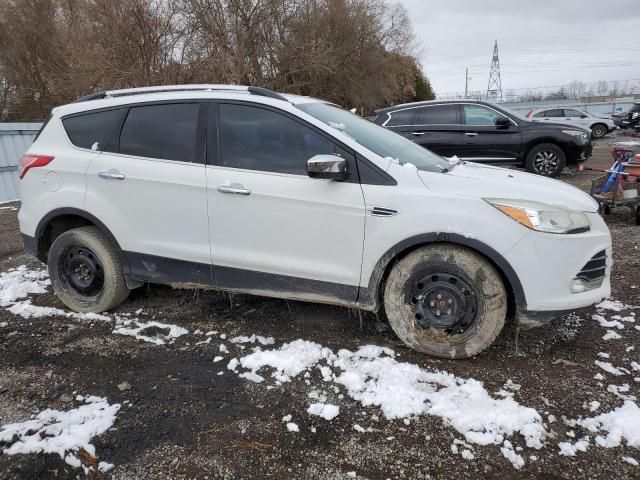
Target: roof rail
265	92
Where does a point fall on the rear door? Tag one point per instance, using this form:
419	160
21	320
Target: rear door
149	189
483	140
400	121
437	128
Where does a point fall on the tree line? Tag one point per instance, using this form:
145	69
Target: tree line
356	53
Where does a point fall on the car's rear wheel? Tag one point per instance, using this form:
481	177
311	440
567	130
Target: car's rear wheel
599	130
446	301
86	272
545	159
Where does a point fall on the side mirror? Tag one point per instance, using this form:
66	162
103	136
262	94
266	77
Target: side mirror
502	122
326	166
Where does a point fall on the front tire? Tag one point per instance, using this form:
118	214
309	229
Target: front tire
86	272
599	130
545	159
445	301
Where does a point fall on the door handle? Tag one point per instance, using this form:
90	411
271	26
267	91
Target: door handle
234	188
111	175
471	134
417	134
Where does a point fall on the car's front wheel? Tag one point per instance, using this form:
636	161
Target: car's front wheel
545	159
86	272
446	301
599	131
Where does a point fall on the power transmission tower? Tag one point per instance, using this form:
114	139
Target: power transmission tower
495	83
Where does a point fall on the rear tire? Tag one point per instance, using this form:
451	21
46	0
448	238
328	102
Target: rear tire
446	301
599	130
86	272
545	159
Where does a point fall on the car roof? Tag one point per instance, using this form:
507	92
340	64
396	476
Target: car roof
117	98
402	106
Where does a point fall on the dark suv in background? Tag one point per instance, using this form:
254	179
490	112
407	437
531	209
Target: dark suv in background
483	132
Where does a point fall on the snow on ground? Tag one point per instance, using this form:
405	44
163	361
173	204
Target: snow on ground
64	433
151	332
372	376
18	283
324	410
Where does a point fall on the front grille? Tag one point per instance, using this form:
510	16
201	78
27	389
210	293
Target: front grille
595	269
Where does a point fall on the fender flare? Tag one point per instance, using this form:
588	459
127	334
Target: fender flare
369	296
59	212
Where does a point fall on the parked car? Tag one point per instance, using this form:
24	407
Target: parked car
618	118
487	133
632	118
599	125
247	190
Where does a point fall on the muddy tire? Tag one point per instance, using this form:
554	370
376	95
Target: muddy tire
545	159
86	271
446	301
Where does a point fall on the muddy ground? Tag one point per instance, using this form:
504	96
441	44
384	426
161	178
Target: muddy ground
182	420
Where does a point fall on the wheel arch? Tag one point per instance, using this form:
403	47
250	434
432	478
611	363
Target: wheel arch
60	220
371	297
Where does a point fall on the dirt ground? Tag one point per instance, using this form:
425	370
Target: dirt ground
182	420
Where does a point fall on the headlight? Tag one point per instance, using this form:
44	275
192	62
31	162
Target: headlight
541	216
575	133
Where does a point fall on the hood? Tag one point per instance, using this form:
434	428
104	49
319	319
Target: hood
484	181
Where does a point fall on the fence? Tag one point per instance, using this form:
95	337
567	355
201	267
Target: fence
15	139
599	108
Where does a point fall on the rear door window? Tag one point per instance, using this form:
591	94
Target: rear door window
554	113
165	131
437	115
90	129
401	117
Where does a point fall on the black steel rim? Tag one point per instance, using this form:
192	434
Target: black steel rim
442	300
81	272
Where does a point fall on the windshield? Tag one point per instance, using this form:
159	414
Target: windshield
379	140
513	113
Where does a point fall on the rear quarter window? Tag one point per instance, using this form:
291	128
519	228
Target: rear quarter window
90	128
401	117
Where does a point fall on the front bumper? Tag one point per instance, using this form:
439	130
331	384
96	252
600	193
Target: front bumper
579	153
547	265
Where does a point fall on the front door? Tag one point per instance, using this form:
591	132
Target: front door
273	229
149	189
484	141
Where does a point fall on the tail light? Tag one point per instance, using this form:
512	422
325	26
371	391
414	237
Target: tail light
28	162
528	115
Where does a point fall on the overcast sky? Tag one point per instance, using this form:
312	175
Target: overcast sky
541	42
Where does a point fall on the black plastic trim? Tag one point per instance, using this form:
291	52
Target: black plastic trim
534	319
368	296
29	245
155	269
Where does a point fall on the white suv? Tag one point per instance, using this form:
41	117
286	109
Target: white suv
244	189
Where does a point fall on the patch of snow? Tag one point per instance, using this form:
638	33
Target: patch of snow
218	359
607	323
631	461
105	467
359	428
616	426
287	361
293	427
467	455
27	310
173	331
252	339
614	305
324	410
598	376
254	377
607	367
507	451
603	355
223	348
569	449
611	335
594	405
64	433
18	283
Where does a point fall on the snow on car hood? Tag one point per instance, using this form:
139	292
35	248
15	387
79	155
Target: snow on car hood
486	181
